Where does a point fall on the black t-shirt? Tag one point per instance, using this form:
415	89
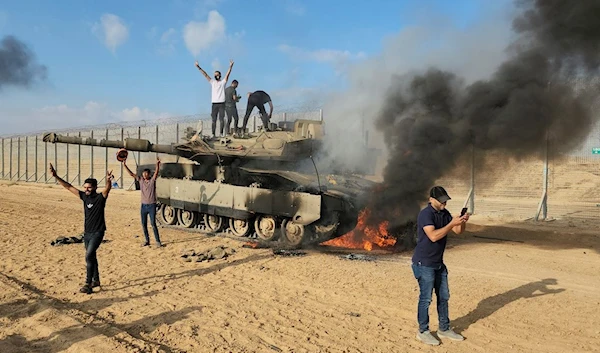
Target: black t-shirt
93	208
259	98
430	253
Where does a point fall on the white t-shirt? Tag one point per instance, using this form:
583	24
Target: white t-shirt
218	90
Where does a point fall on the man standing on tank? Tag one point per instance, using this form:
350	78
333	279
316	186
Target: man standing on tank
94	223
217	97
258	99
148	208
231	98
433	225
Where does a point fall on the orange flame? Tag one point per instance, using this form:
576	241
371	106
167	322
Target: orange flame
364	236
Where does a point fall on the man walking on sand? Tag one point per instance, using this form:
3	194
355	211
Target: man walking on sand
433	225
148	208
94	224
217	97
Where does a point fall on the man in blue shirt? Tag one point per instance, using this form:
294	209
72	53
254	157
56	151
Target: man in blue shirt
433	225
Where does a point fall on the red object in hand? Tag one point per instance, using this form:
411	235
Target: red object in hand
122	155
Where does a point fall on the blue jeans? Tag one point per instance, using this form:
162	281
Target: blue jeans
92	242
149	210
431	278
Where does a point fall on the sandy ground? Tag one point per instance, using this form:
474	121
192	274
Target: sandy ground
534	291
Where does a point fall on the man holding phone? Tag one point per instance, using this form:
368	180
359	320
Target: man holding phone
433	225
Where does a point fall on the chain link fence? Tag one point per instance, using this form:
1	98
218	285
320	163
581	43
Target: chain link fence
549	185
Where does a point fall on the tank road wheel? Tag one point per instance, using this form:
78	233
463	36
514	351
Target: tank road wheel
187	219
265	227
293	233
159	214
169	215
213	223
239	227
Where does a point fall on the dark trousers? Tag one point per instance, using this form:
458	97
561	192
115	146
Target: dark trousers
149	210
92	242
430	279
218	109
231	113
263	114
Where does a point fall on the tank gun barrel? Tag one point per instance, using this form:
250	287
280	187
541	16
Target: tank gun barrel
130	144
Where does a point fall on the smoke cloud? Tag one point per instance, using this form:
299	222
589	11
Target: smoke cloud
545	87
18	65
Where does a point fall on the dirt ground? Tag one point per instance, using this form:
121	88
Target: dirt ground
514	288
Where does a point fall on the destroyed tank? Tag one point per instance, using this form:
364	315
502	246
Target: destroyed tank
265	185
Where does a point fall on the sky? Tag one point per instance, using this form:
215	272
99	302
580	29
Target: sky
114	61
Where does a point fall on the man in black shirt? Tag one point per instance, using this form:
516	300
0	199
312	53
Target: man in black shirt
433	225
94	224
258	99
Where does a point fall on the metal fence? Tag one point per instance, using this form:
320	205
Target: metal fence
549	185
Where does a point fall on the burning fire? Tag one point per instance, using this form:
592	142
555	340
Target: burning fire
364	236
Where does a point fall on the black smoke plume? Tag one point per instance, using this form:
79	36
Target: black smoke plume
547	87
18	66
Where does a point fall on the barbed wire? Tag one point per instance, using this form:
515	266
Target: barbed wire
162	121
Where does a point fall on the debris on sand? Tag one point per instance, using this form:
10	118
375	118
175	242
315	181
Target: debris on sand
220	252
67	240
254	245
358	257
284	252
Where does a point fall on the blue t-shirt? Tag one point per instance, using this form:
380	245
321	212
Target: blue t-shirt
430	253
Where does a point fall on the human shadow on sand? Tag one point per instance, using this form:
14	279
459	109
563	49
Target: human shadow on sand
89	323
490	305
189	273
127	335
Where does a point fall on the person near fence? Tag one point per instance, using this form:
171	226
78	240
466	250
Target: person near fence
258	99
148	200
217	97
231	98
434	223
94	223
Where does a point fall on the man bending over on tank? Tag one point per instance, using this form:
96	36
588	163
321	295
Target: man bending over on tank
94	224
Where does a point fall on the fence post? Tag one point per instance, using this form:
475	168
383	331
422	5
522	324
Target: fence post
472	201
3	158
121	178
321	114
56	158
106	156
26	158
10	174
67	163
79	161
36	158
543	205
45	162
91	156
18	158
139	160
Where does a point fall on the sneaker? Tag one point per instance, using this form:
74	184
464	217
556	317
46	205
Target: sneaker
427	338
451	335
160	245
95	284
87	289
146	244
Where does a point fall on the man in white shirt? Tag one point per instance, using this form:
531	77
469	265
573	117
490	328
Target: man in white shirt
218	97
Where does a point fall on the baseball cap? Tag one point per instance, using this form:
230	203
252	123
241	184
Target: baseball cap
439	193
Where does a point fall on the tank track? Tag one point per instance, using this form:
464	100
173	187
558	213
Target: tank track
263	230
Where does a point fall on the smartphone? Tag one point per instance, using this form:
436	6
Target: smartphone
464	210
